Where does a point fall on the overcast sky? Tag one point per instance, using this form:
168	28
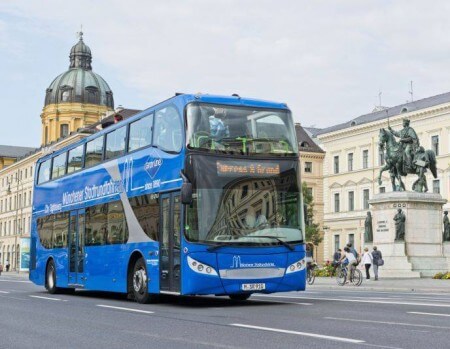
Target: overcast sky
327	60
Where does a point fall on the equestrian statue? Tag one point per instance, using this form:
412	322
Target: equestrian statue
405	157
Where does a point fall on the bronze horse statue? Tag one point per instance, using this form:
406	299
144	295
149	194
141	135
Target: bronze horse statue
395	162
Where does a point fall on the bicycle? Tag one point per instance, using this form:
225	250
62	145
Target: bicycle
341	276
311	273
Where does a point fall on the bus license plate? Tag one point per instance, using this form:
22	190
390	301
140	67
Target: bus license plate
253	287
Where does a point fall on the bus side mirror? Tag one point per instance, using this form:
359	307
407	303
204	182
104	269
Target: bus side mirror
186	193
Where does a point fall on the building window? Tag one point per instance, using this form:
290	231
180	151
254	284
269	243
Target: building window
309	191
336	243
64	130
366	199
308	167
351	201
336	202
436	186
435	144
351	239
350	161
382	190
381	157
365	158
336	164
244	191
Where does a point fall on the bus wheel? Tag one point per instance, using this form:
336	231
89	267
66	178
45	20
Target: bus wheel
140	282
50	278
240	296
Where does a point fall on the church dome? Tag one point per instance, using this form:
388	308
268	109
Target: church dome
80	84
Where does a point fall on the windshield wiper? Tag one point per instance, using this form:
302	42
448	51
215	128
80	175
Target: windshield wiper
223	244
284	243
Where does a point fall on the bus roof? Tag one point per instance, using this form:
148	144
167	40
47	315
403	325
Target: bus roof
234	100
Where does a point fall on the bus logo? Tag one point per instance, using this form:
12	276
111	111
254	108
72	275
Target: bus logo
153	165
236	262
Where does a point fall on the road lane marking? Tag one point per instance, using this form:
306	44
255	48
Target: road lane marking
430	314
359	301
4	292
49	298
279	302
306	334
385	322
126	309
10	280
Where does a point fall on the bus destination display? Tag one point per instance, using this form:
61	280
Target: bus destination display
233	168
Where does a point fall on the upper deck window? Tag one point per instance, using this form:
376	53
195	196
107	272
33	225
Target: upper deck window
239	130
167	132
94	152
59	166
140	133
115	143
44	172
75	160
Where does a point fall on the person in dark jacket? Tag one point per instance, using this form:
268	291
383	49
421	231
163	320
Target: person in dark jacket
376	256
336	258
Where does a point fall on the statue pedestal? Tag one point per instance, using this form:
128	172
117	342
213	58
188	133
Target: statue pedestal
422	251
446	249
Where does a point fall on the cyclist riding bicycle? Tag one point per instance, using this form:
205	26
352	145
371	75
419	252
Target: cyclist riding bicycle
352	262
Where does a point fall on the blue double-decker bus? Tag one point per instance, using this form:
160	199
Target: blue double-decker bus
197	195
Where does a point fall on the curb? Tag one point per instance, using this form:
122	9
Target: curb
383	289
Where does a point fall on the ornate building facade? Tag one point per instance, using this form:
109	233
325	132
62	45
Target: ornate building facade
311	173
75	103
75	98
353	161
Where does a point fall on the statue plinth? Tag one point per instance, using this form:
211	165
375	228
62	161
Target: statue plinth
421	252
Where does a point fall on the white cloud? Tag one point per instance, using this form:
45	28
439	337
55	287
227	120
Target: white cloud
327	60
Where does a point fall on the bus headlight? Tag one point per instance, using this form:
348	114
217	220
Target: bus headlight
297	266
201	268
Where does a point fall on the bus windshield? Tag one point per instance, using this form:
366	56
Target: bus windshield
246	210
239	130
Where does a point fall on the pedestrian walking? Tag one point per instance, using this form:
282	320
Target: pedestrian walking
367	260
377	259
7	265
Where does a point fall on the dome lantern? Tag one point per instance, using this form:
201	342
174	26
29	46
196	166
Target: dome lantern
80	55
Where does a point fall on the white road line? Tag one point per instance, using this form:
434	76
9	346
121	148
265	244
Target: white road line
127	309
431	314
9	280
49	298
279	302
385	322
306	334
4	292
359	301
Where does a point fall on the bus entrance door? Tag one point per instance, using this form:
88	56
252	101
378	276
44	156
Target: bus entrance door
170	231
76	248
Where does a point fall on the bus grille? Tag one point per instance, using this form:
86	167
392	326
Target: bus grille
251	273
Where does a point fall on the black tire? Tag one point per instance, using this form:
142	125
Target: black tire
340	276
357	277
139	282
240	296
50	278
311	276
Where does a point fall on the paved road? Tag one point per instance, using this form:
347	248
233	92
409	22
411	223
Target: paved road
337	318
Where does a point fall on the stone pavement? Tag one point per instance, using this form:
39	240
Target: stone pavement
414	284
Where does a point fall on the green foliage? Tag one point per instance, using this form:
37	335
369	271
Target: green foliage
442	276
312	233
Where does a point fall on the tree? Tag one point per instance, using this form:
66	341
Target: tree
312	229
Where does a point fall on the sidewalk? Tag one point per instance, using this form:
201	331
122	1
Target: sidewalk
14	275
406	285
